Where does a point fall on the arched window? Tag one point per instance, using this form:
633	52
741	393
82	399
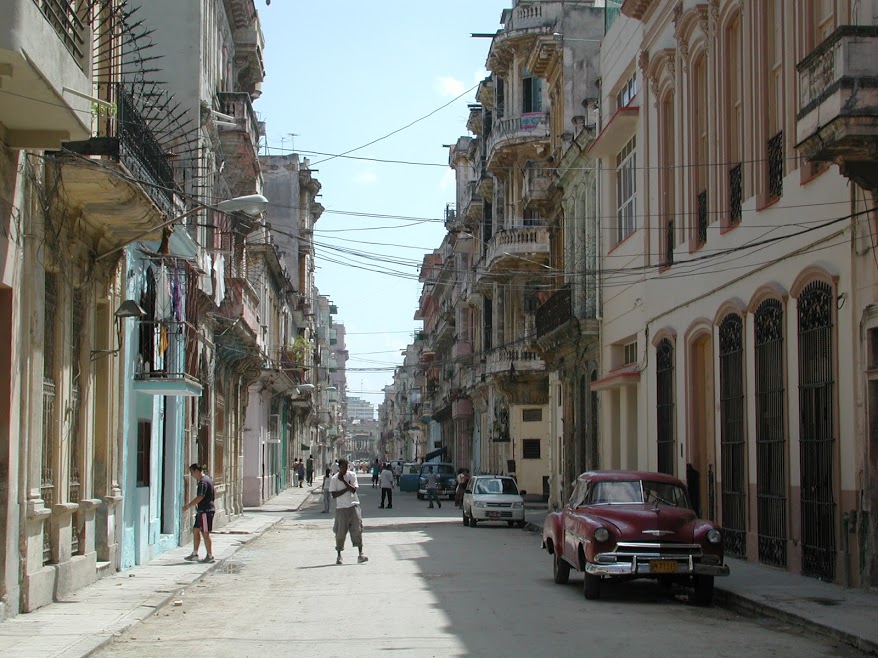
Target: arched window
771	448
733	453
701	109
664	387
817	430
735	127
667	177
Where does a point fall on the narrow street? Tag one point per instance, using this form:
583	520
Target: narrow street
433	587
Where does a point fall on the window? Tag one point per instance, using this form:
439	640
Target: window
627	93
531	415
532	93
665	406
530	448
626	169
144	440
219	441
629	353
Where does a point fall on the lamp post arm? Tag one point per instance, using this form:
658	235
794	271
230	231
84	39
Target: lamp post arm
155	228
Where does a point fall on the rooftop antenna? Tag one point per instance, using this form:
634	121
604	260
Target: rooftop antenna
293	140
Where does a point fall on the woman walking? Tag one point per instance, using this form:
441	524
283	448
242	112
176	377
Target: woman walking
326	493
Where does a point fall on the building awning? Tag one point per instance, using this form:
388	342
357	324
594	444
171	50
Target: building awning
621	127
435	453
628	375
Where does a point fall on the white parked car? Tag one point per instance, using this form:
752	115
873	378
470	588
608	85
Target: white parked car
493	498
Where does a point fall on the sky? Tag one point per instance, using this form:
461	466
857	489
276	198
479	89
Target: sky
339	75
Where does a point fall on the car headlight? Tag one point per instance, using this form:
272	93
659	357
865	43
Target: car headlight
480	503
517	505
714	536
601	535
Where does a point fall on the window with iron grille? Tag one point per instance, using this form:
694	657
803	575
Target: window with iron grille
702	217
530	448
733	453
669	242
817	430
665	406
47	476
771	460
626	190
775	166
736	193
531	415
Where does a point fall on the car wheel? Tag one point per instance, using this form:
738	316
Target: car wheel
560	570
420	497
703	590
472	521
465	519
521	523
591	587
510	523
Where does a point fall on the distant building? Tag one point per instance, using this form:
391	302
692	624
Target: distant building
360	409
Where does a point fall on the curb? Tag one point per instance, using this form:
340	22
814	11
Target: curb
152	606
733	601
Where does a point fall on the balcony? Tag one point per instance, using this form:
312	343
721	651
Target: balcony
515	132
249	44
555	312
838	103
507	361
472	202
242	302
172	368
521	25
539	185
45	49
113	205
240	142
519	249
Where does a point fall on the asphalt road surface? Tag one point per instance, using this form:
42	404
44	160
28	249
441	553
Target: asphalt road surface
433	587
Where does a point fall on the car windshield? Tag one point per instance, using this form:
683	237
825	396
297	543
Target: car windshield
438	469
637	491
496	486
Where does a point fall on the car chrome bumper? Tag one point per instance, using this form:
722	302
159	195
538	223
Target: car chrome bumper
642	566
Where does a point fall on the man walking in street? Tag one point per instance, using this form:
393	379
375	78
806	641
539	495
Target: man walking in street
300	471
386	479
348	518
432	484
204	511
309	470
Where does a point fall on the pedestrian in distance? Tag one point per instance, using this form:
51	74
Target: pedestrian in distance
462	480
386	480
309	470
204	511
300	471
432	484
376	470
334	467
348	517
327	496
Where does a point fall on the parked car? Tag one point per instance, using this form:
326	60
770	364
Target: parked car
409	477
446	479
633	524
493	498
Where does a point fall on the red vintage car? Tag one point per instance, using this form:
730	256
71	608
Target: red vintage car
633	524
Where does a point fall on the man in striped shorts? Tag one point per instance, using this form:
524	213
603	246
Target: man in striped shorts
348	518
204	510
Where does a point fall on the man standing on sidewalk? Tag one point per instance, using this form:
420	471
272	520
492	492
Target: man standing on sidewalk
432	485
309	470
386	479
348	517
204	510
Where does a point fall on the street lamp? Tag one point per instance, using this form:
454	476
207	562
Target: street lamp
251	204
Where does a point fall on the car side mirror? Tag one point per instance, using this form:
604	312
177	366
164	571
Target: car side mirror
522	492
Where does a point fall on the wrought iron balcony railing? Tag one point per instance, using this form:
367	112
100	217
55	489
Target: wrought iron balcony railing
62	15
703	219
736	193
555	312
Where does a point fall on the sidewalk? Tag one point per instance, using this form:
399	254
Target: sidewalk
847	615
89	619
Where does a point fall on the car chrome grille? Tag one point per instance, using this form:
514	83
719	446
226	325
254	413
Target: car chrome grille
656	549
499	504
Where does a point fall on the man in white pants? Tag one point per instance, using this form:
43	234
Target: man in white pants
348	518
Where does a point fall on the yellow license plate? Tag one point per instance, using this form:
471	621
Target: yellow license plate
663	566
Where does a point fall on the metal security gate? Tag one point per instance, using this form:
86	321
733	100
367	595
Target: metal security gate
816	434
771	445
665	406
732	442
